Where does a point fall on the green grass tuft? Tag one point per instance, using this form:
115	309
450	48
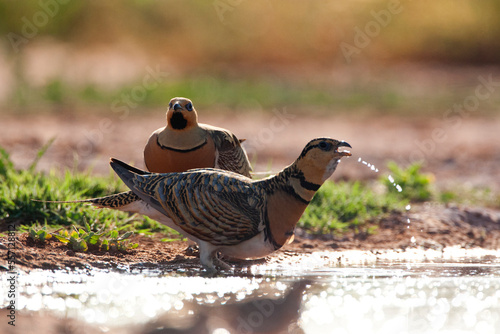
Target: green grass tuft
415	186
18	188
345	206
40	235
81	239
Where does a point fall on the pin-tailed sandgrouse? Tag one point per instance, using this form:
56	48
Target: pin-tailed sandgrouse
186	144
230	213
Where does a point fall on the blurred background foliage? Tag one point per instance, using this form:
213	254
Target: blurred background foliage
233	53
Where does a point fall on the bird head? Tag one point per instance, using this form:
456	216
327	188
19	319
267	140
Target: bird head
181	114
320	157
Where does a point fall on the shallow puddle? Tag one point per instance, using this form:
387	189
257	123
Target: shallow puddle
346	292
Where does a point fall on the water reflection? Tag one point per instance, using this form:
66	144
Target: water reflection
405	305
351	295
254	315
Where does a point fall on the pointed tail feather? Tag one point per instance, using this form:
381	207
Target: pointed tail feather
126	172
115	201
129	176
126	166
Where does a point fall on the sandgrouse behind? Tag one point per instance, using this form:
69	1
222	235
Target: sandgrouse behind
230	213
186	144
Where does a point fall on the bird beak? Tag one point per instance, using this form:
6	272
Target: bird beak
177	106
344	153
343	143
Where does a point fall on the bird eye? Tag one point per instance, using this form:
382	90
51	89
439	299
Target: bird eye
170	105
324	145
189	107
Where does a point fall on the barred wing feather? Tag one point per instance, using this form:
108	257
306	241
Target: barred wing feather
231	155
223	208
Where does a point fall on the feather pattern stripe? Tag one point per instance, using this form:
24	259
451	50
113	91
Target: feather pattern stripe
115	201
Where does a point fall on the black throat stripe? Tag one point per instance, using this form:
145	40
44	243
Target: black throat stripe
306	184
309	185
292	192
181	150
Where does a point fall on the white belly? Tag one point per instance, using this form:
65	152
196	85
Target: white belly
254	248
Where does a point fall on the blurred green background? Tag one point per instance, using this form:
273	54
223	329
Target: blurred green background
364	56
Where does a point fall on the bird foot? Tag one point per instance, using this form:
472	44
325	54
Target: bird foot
223	265
215	265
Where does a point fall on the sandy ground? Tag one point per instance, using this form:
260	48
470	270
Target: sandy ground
423	227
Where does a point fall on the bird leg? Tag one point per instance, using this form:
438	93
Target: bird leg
209	258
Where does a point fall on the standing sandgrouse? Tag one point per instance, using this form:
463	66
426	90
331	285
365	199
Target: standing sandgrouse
186	144
230	213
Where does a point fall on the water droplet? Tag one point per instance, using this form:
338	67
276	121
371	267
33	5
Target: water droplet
367	164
